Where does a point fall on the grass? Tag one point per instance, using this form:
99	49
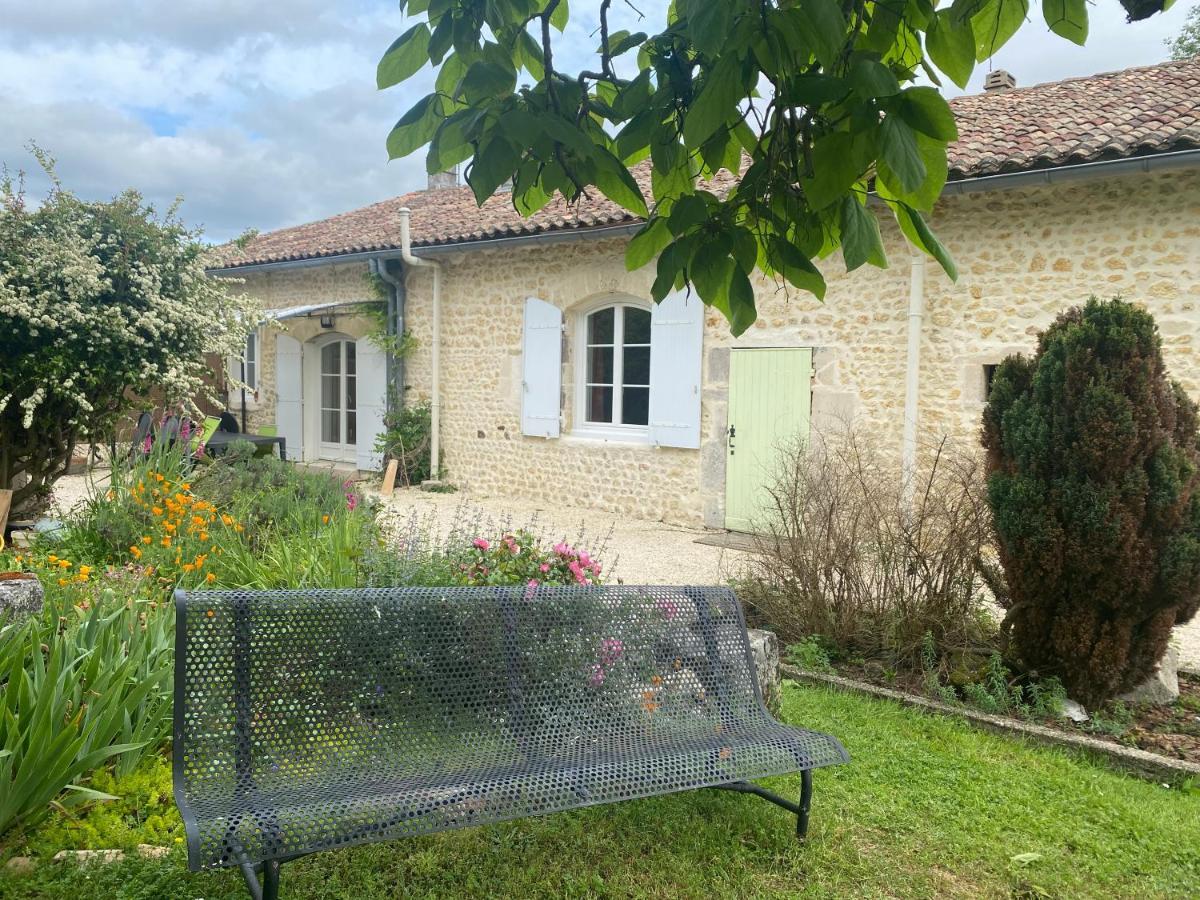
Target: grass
929	807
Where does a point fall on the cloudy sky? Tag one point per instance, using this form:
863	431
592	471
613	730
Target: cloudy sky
263	115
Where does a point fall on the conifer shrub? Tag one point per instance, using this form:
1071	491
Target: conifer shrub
1093	468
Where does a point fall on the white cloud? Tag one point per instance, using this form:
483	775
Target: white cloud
264	115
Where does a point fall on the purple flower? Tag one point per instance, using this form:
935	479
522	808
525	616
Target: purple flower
597	677
611	650
351	501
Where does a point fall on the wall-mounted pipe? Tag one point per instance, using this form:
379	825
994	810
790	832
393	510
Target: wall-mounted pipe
912	370
435	402
397	296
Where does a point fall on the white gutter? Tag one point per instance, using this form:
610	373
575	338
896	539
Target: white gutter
435	403
912	371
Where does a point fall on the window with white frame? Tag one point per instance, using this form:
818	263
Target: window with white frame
614	374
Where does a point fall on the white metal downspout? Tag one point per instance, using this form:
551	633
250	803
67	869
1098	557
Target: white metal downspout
912	373
435	403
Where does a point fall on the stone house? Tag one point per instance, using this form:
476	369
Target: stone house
554	378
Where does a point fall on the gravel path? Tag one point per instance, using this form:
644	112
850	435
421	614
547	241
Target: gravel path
635	551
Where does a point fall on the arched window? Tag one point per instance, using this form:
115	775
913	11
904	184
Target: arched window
615	370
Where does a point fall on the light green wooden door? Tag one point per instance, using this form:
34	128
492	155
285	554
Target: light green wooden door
770	401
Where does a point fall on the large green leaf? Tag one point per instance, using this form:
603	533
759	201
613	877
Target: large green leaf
717	103
1067	18
917	231
994	23
405	57
873	79
617	184
899	152
927	111
835	168
951	47
416	127
494	164
861	242
708	26
647	244
824	29
486	79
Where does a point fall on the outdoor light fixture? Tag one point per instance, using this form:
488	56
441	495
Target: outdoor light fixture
326	321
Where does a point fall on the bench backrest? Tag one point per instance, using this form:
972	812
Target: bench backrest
279	687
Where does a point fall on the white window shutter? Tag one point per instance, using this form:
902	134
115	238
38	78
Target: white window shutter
371	402
289	410
541	373
676	343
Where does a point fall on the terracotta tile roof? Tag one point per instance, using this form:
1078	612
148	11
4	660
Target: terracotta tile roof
1133	112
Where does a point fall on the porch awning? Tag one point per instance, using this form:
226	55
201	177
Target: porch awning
293	312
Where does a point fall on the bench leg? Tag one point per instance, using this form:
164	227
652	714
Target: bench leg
264	884
805	804
271	880
801	809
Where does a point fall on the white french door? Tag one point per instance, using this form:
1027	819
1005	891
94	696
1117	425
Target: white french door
338	414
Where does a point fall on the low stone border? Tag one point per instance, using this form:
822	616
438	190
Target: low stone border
1142	763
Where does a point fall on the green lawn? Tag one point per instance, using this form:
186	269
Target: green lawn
928	807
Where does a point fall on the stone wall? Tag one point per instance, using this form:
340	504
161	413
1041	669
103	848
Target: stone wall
281	288
1023	256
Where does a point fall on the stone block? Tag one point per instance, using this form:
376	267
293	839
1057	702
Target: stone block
764	648
1161	688
21	594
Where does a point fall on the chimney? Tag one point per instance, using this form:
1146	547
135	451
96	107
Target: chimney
439	181
998	80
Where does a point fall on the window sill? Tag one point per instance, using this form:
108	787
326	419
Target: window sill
604	437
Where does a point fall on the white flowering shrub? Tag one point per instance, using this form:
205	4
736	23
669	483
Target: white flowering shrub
100	302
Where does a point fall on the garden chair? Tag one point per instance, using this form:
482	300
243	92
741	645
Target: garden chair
266	431
201	435
312	719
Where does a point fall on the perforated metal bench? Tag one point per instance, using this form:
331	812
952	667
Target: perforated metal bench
309	720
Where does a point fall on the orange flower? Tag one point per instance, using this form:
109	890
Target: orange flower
158	476
210	577
64	564
146	539
197	520
62	582
656	680
325	519
85	570
51	559
166	541
149	570
136	551
203	535
187	567
227	519
81	577
210	613
647	695
168	527
186	486
238	527
157	510
649	706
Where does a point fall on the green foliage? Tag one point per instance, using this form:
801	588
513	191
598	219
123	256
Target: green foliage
1186	44
86	682
100	302
1094	483
405	438
142	812
810	654
760	121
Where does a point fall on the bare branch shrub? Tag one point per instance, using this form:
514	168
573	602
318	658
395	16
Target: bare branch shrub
851	552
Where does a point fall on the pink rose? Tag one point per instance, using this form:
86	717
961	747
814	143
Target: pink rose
481	543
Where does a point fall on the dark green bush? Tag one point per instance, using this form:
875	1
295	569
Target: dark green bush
1094	483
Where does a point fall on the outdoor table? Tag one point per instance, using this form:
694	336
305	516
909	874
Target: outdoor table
222	439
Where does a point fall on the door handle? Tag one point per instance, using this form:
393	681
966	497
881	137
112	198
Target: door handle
732	435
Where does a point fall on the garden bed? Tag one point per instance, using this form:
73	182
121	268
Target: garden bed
1172	732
